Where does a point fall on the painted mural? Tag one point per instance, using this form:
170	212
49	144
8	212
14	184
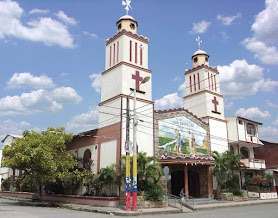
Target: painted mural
182	136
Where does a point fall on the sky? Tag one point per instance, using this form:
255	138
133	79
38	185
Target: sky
52	53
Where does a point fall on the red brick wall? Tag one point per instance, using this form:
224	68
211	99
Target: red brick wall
267	152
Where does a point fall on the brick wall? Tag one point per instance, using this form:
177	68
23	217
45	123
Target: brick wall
267	152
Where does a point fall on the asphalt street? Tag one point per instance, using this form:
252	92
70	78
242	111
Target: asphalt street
10	208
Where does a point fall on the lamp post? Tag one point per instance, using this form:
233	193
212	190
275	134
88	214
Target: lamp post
135	122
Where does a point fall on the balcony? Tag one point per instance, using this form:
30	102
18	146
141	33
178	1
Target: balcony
251	163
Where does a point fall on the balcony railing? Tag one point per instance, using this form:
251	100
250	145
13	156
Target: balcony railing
253	163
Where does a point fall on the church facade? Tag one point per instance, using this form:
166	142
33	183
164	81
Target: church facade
181	138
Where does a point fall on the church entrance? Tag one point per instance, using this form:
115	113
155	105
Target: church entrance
177	182
194	184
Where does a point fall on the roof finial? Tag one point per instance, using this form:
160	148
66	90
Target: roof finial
126	3
199	41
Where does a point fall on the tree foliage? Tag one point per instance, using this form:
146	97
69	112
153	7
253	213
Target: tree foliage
225	164
42	155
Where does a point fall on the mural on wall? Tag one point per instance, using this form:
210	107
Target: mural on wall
182	136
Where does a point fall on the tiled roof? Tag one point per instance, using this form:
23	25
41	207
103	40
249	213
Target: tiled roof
179	109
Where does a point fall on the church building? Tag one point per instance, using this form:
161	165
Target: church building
181	138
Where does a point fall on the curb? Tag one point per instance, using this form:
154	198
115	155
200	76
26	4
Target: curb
223	205
119	213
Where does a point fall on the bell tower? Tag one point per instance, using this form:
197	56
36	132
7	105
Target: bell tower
203	97
126	65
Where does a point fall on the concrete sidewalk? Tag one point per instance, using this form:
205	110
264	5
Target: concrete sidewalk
234	204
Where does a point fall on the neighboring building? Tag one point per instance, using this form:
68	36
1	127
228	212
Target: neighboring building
6	172
269	152
243	139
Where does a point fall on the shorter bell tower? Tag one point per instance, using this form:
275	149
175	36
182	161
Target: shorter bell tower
203	97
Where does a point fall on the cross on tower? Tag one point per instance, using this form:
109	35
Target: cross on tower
137	79
215	102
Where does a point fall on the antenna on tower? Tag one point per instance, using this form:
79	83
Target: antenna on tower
126	3
199	41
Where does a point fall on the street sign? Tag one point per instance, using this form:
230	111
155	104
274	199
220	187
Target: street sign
166	174
166	171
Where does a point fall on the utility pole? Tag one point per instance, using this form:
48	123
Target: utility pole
134	184
127	157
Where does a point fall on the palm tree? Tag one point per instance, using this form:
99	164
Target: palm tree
232	160
107	178
149	171
220	170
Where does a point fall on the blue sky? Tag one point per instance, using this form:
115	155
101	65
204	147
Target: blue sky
52	52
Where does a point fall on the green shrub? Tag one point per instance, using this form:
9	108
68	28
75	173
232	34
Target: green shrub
56	187
6	183
232	186
28	184
154	193
237	192
253	188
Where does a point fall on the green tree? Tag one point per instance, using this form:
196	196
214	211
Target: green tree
225	164
41	155
220	170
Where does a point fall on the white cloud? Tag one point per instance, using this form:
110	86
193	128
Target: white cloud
93	35
269	133
43	29
266	23
266	54
240	79
253	113
39	11
39	101
11	127
83	122
96	83
27	80
169	101
28	103
227	20
68	20
200	27
65	95
275	122
265	34
272	105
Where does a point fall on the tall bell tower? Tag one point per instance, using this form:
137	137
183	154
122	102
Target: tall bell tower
203	98
125	67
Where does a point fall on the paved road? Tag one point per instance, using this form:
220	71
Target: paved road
255	211
10	209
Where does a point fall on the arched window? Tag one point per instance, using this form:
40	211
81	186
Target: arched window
87	159
245	152
251	129
232	150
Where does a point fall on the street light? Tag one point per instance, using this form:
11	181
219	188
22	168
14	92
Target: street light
146	79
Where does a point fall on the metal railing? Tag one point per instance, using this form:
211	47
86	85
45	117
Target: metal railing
173	201
187	201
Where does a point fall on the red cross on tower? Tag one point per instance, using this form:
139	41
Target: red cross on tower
137	79
215	102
